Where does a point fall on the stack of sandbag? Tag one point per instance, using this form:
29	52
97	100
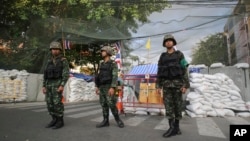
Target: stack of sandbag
80	90
215	95
13	85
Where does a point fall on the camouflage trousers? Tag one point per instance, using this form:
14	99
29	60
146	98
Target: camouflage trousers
172	98
107	101
54	100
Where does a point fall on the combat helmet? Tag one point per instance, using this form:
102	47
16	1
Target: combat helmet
108	49
55	45
168	37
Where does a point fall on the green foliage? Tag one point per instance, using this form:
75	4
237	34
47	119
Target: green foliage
19	16
211	50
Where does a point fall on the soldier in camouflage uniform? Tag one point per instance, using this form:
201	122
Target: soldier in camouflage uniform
56	74
106	82
173	79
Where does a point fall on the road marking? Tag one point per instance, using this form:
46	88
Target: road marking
81	109
85	114
66	106
207	127
163	125
135	121
237	120
22	105
90	106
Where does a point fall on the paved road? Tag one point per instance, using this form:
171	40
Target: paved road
26	121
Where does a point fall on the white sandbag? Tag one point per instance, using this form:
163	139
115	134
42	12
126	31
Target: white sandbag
211	77
234	87
194	107
196	100
200	111
217	95
141	109
129	110
196	80
242	65
229	113
212	113
217	65
208	99
195	85
193	95
243	114
220	112
234	98
205	103
215	98
203	89
141	113
206	108
226	100
202	66
218	105
153	110
196	75
234	93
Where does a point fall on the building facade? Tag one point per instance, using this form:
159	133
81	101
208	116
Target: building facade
237	32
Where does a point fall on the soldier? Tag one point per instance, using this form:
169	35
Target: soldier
56	74
173	79
106	82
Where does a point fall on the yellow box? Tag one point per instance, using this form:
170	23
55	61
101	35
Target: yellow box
149	96
147	85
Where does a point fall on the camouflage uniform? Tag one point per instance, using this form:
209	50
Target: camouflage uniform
172	76
56	74
53	98
106	100
106	79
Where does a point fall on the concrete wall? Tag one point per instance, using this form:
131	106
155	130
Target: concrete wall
34	87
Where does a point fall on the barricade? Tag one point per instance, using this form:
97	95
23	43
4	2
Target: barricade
144	93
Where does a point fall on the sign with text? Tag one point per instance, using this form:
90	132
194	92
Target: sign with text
239	132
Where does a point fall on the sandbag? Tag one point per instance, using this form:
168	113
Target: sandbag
243	114
212	113
216	65
141	113
194	107
220	112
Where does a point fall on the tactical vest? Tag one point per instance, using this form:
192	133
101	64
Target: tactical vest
170	67
105	74
54	71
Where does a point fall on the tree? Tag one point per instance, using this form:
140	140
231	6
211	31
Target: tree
211	50
18	16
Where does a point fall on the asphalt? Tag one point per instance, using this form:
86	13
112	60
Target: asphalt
24	123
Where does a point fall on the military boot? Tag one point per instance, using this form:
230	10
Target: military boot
59	123
119	121
171	131
177	127
104	123
53	122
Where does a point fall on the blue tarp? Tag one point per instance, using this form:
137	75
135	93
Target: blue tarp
144	69
87	78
